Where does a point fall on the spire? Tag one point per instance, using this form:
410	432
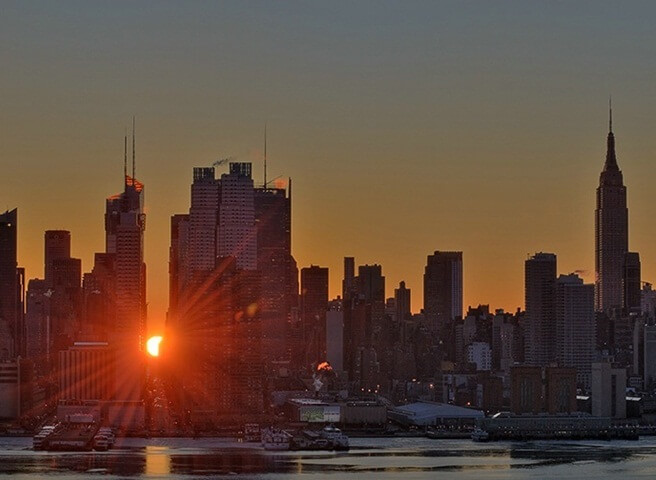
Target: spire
611	159
265	180
134	165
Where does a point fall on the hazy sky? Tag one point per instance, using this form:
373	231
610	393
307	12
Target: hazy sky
407	127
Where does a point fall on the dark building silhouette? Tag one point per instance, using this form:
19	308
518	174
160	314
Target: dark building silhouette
11	289
631	285
314	304
443	289
539	291
57	247
611	231
277	267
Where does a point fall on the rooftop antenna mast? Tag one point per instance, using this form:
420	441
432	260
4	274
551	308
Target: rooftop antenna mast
134	165
125	158
265	159
610	114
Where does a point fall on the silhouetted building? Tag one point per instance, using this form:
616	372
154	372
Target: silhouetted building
11	289
560	390
611	231
314	303
631	286
526	390
443	288
539	291
277	267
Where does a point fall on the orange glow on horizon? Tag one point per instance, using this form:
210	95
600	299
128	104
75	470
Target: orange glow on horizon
152	345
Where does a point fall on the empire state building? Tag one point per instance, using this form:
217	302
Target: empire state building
611	231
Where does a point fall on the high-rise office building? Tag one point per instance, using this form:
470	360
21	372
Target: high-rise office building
611	231
125	223
539	291
57	247
277	267
237	235
203	222
402	302
631	285
11	289
575	326
314	304
443	288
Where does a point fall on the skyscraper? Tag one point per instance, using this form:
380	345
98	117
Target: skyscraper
539	291
277	267
611	231
314	303
11	316
237	236
631	287
443	288
125	223
575	326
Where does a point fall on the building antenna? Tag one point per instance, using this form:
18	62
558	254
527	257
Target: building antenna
125	158
265	159
610	114
134	167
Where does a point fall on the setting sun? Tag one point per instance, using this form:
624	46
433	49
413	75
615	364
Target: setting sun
152	345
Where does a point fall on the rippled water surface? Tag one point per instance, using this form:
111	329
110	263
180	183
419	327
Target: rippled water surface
369	458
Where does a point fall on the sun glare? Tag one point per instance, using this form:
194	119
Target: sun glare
152	345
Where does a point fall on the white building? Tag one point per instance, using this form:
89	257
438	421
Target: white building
480	354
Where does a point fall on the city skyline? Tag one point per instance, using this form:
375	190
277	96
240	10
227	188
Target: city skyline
469	170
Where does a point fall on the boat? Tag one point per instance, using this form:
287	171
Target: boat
76	434
334	435
40	440
275	439
480	435
100	443
252	432
109	434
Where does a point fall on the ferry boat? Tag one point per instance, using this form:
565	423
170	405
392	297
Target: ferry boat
76	434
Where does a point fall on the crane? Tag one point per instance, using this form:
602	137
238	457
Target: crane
222	161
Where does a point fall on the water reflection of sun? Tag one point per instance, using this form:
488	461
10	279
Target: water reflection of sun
158	461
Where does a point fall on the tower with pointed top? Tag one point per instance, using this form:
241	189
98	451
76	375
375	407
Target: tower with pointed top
611	230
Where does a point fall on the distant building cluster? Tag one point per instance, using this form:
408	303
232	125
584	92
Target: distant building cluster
249	336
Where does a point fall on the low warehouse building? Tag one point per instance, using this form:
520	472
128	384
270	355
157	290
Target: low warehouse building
424	414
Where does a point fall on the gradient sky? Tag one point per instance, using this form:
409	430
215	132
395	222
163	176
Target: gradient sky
407	127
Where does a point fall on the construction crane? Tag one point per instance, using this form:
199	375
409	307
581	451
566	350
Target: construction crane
222	161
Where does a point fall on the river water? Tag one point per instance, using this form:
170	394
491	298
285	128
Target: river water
369	458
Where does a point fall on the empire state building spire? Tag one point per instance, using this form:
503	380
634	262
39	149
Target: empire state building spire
611	159
611	230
